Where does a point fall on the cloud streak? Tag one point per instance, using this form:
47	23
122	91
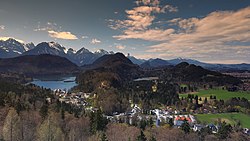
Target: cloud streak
120	47
95	41
54	31
62	35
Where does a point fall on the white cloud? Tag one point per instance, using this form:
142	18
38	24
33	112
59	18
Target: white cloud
84	37
95	41
2	27
120	47
55	31
62	35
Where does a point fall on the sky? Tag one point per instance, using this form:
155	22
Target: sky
213	31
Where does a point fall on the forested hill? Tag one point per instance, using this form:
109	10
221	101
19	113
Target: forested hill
37	65
112	69
191	73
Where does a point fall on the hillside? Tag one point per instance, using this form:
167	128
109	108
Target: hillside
155	63
117	63
185	72
38	65
114	69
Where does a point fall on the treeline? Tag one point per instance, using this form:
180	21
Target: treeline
213	104
29	125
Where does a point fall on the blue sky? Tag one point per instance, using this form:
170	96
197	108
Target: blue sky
215	31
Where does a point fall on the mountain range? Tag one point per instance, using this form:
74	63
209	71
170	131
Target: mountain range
160	63
116	68
12	48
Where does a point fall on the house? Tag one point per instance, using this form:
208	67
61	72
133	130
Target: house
136	109
48	100
179	120
213	127
246	131
197	127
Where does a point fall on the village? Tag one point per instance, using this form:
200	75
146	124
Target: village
159	117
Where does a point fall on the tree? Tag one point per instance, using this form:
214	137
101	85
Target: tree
18	106
143	124
97	122
62	114
152	138
225	130
44	111
49	130
121	132
11	128
196	100
170	122
185	127
200	99
204	132
141	137
104	137
150	122
29	122
205	100
77	128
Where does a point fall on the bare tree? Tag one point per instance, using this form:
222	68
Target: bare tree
50	130
12	126
30	121
121	132
78	129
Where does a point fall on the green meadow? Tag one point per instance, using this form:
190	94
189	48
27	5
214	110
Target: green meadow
231	118
220	94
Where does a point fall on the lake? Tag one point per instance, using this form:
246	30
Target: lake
55	82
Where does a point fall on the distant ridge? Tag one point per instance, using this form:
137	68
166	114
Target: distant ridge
160	63
191	73
38	65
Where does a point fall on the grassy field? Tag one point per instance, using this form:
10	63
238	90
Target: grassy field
231	118
220	94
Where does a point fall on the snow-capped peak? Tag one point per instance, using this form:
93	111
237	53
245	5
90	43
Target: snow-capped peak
101	51
71	50
83	50
57	46
11	39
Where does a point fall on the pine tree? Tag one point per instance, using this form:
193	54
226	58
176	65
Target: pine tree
141	137
104	137
205	100
171	122
62	114
97	122
185	127
225	130
44	111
